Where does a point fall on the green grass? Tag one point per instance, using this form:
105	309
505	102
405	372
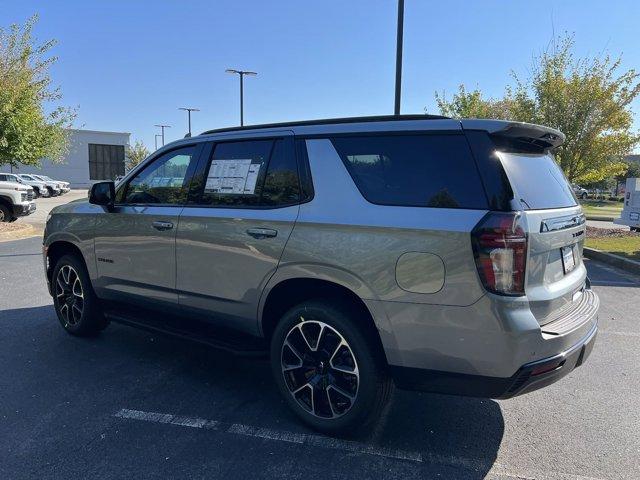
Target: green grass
628	247
601	208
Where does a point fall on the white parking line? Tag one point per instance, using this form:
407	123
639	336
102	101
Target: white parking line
269	434
496	470
167	418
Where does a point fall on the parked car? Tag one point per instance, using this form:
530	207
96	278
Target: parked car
39	188
63	186
52	187
430	253
16	200
580	192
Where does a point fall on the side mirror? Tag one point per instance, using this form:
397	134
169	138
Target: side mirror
103	193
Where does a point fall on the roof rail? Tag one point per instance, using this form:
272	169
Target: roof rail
329	121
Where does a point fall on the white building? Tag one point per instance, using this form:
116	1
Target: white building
92	156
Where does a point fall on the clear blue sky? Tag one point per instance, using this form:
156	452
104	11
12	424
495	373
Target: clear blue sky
130	64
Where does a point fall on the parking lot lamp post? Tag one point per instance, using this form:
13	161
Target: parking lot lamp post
189	110
241	73
162	127
396	109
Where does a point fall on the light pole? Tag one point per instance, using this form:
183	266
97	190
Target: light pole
156	139
189	110
241	73
396	109
162	127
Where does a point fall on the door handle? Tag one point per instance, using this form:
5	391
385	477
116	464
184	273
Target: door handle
262	232
159	225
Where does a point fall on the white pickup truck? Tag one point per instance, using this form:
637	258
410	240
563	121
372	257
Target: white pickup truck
16	200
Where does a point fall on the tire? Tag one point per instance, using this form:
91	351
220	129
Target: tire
347	401
5	214
76	304
51	192
583	196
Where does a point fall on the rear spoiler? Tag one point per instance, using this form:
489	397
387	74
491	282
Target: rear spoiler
518	136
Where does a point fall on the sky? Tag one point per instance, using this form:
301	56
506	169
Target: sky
127	65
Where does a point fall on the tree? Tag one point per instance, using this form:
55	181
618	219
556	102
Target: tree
27	132
588	99
136	154
466	104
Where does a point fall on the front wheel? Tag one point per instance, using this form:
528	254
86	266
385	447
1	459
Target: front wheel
75	303
5	214
328	369
584	195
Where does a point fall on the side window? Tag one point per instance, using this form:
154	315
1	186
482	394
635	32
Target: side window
163	181
413	170
3	178
251	173
236	172
281	185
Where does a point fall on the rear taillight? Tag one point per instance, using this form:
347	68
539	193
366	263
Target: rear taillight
500	250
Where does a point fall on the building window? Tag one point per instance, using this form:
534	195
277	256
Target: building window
106	162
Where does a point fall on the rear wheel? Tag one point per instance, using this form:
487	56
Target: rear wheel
75	303
583	196
328	370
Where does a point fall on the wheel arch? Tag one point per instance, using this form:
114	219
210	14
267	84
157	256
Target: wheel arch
6	201
291	291
57	249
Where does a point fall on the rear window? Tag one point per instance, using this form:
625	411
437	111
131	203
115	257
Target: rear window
537	181
413	170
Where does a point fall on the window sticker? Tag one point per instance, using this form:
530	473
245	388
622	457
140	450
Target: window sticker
232	177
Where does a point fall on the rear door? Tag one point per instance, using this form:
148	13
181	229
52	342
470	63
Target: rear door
555	228
233	232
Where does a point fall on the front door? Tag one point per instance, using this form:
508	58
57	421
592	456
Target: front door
231	238
135	242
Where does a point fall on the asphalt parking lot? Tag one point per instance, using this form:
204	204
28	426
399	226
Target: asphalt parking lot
45	205
129	404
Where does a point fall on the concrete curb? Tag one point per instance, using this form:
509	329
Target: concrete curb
611	259
27	231
600	218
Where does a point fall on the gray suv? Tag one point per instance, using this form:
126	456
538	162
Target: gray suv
418	251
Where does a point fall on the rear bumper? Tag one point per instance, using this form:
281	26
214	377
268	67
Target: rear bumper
529	377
